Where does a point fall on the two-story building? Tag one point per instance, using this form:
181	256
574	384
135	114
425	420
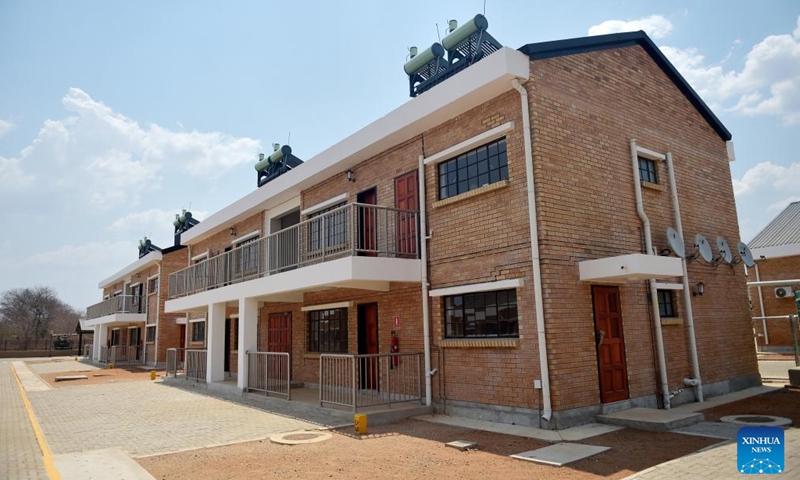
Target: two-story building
130	324
506	230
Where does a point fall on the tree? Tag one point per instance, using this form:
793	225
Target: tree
30	312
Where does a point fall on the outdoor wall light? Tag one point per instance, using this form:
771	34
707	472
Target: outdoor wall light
699	289
232	231
351	177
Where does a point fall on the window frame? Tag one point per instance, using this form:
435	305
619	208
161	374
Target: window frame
315	343
456	323
649	173
468	171
195	329
148	330
153	285
666	299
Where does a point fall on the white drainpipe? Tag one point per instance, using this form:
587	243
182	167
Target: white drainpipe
423	242
662	363
695	382
547	410
761	304
158	312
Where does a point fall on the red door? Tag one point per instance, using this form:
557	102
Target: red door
367	229
406	198
279	334
611	363
368	345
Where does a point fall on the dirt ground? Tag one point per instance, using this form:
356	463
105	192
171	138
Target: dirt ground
415	449
124	374
780	403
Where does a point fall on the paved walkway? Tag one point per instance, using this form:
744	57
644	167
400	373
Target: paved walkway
20	456
775	368
720	463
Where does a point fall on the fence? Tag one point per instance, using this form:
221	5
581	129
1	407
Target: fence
126	355
118	304
87	350
196	364
365	380
269	372
105	354
353	229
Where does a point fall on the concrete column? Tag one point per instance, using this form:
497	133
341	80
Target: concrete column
96	343
102	339
248	322
215	343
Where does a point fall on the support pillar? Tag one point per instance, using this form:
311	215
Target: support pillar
215	343
248	323
100	340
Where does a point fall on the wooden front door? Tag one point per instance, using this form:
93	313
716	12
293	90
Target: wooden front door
279	332
613	370
368	344
367	223
406	198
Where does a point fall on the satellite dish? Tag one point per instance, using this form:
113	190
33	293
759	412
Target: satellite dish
724	250
703	247
745	254
675	243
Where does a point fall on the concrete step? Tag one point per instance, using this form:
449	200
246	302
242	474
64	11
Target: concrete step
651	419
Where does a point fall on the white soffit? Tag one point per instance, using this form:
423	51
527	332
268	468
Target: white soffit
146	261
462	92
624	268
477	287
776	251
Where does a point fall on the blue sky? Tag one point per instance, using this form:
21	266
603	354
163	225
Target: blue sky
114	116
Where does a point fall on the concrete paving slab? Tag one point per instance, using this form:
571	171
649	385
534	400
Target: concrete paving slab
571	434
61	365
651	419
30	381
727	398
68	378
462	445
105	464
560	454
724	431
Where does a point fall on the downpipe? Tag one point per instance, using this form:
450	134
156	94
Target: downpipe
426	318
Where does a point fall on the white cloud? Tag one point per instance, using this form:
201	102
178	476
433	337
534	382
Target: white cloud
154	221
768	84
767	174
5	127
105	159
84	256
762	192
656	26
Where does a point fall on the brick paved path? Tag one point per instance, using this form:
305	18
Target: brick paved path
20	456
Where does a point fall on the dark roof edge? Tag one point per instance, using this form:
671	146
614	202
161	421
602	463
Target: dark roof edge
173	249
559	48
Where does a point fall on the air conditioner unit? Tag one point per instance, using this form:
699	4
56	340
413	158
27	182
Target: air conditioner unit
784	292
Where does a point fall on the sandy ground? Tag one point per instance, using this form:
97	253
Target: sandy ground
415	449
123	374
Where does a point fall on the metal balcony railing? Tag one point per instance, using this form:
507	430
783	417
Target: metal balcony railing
268	372
118	304
356	381
350	230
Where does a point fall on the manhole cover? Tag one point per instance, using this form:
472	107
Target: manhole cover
299	438
757	420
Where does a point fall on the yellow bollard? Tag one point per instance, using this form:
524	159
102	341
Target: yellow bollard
152	374
110	365
360	423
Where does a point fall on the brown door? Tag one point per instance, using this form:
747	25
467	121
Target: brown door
367	228
279	333
610	344
368	345
406	198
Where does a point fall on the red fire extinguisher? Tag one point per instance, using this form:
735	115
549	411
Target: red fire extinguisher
395	349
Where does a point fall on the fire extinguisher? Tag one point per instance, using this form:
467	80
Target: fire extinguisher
395	349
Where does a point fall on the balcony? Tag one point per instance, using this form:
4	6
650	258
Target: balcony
118	304
374	233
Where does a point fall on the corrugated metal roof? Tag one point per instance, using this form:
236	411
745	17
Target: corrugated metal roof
782	230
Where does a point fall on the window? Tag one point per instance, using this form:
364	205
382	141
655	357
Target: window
151	333
666	303
245	257
328	229
327	330
199	331
483	314
473	169
152	285
647	170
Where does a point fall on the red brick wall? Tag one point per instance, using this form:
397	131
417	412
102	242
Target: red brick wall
584	111
785	268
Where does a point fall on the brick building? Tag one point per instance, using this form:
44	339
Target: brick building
130	324
776	250
418	228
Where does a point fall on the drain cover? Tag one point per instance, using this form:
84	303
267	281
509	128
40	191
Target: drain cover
757	420
299	437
